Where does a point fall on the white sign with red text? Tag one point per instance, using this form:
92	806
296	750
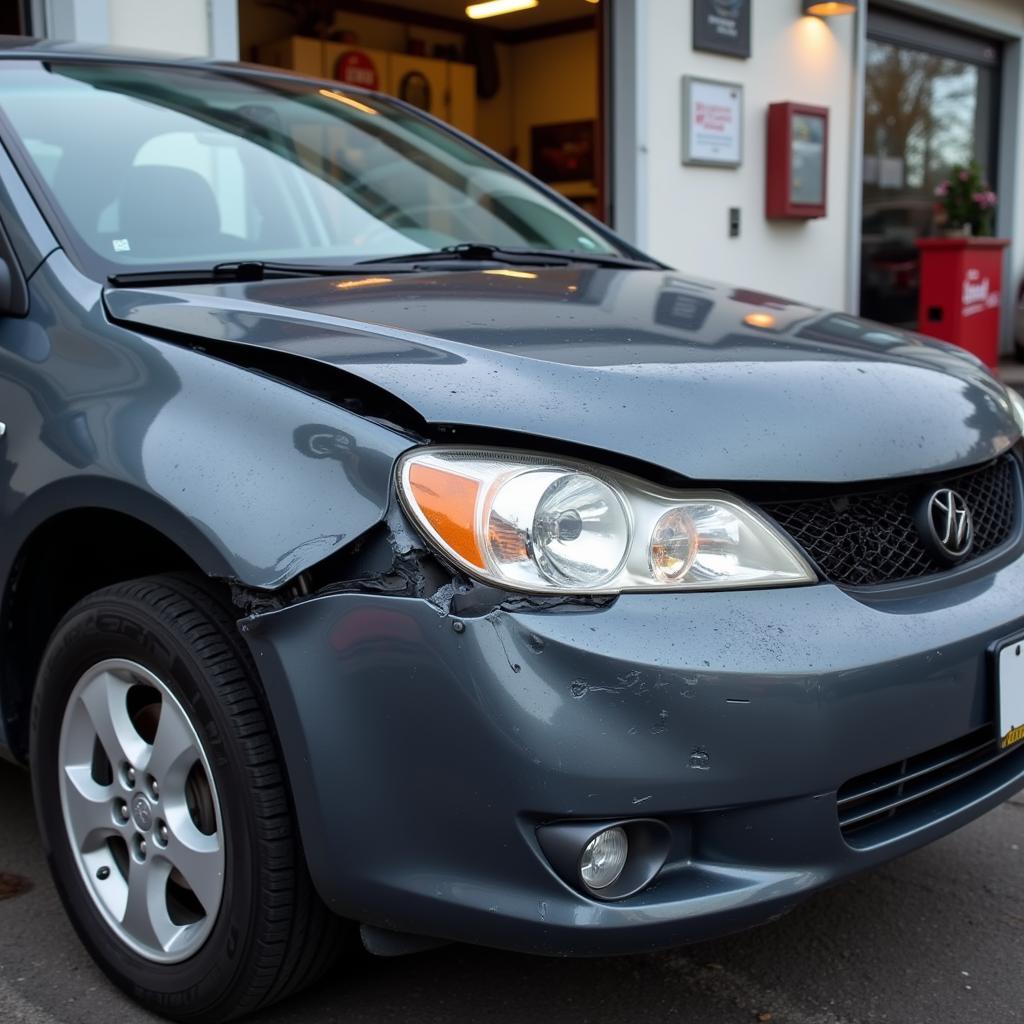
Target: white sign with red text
712	122
977	294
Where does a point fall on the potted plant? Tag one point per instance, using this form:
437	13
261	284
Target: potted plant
966	202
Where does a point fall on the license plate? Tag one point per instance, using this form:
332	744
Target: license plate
1010	681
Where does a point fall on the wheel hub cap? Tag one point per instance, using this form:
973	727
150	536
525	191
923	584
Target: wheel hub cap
142	813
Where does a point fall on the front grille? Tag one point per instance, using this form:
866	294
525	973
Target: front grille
885	804
871	537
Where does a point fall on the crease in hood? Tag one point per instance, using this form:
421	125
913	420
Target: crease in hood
709	382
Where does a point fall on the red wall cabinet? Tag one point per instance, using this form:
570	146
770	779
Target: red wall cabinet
797	164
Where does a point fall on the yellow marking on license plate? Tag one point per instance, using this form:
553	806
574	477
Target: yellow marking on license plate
1013	736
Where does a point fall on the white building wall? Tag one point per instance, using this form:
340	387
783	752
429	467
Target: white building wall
201	28
686	208
182	26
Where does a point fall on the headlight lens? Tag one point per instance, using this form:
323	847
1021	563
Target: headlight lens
570	526
1016	407
545	525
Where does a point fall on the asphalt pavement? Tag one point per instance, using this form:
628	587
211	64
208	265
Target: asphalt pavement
935	938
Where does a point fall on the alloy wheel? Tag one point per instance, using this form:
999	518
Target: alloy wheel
141	811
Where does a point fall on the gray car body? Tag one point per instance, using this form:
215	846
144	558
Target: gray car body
430	725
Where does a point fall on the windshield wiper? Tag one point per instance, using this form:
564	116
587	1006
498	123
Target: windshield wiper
483	252
466	252
241	270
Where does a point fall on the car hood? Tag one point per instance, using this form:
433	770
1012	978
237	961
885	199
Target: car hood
709	382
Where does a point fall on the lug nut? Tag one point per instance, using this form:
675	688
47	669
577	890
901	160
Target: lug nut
130	775
154	788
123	811
142	847
164	834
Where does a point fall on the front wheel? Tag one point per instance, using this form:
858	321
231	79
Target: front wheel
164	808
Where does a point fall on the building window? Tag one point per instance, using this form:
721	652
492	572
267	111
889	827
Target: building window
930	102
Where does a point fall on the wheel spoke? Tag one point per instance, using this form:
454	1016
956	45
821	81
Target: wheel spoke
199	860
145	917
89	808
173	752
105	702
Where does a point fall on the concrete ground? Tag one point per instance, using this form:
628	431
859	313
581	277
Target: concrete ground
936	938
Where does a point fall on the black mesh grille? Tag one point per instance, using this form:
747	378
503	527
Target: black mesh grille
871	537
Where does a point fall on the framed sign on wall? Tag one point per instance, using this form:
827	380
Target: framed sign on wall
722	26
712	122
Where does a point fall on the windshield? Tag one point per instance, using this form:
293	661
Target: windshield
160	166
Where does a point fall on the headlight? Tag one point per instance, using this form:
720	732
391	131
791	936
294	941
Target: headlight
530	523
1016	407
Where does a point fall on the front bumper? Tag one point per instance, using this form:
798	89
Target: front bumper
424	750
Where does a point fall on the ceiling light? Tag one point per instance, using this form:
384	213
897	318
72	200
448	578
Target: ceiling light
492	8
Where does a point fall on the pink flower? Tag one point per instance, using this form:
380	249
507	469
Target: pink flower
964	175
942	189
986	200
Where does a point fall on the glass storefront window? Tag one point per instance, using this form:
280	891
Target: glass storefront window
929	104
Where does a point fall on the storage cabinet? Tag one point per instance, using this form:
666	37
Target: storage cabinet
298	53
446	89
421	81
461	97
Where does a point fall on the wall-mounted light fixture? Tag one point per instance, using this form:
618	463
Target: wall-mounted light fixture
827	8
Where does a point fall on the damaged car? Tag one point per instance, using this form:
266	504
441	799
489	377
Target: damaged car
391	551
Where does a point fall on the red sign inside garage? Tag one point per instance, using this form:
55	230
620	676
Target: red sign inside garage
356	68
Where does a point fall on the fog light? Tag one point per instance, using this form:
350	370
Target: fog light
604	857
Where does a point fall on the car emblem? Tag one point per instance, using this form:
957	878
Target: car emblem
142	813
948	525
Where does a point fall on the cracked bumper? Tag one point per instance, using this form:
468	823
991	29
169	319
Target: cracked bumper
422	756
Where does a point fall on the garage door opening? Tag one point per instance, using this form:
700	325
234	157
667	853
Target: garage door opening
526	83
15	18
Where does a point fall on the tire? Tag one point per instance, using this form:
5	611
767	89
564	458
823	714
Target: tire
158	663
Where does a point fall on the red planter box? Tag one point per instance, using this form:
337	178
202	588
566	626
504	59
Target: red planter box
961	281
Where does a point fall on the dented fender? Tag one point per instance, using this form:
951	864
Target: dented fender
255	479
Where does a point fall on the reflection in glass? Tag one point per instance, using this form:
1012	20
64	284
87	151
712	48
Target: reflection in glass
923	113
200	166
